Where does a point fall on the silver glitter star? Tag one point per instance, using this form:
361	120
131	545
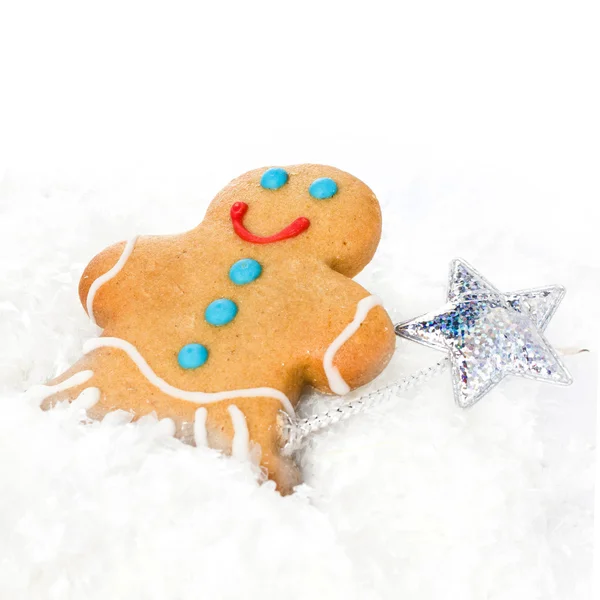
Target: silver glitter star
489	334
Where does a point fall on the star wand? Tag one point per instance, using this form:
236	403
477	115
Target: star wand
487	335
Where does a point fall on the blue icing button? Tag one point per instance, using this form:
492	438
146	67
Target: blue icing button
323	188
192	356
244	271
273	179
220	312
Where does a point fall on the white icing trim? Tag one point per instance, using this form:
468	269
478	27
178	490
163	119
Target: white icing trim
189	396
334	377
41	392
88	398
240	445
200	427
98	283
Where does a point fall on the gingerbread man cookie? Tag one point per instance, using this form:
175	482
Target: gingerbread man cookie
220	328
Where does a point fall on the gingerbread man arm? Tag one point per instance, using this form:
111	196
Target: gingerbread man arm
101	269
359	352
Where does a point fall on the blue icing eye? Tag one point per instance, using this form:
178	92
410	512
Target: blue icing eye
220	312
273	179
323	188
192	356
244	271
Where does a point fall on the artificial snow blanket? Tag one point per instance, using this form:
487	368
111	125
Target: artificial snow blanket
417	499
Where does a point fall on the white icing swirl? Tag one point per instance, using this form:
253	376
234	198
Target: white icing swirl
189	396
88	398
39	393
240	445
100	281
334	377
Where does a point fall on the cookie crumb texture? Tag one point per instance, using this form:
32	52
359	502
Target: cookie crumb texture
239	314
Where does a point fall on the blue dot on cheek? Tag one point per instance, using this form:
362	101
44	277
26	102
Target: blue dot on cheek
245	271
192	356
273	179
220	312
323	188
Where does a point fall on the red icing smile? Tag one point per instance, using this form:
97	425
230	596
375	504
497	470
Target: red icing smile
239	209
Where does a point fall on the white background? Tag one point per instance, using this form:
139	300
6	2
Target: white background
490	101
507	85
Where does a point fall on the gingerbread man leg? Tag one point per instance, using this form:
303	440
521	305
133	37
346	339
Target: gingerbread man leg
246	428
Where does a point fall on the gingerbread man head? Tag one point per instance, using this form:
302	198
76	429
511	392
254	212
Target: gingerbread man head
318	211
220	328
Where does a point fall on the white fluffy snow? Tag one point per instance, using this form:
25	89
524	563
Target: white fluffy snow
418	499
